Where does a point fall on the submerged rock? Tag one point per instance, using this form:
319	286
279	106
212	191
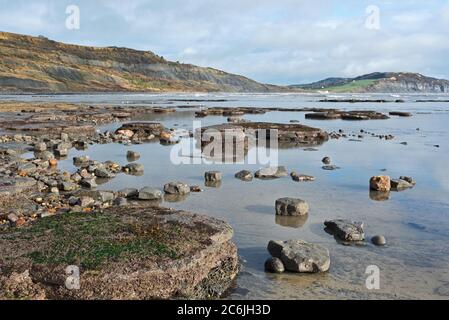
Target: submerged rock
271	172
400	185
291	207
346	230
301	177
300	256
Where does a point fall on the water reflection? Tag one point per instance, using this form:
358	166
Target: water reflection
292	222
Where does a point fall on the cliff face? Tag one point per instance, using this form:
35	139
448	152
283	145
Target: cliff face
381	82
36	64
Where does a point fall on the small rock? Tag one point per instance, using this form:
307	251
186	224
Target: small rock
300	256
380	183
89	183
274	265
106	196
408	179
120	202
400	185
54	190
271	172
244	175
195	189
326	160
86	201
12	218
149	193
346	230
128	193
178	188
213	176
132	155
301	177
103	173
68	186
379	240
80	160
134	168
291	207
40	146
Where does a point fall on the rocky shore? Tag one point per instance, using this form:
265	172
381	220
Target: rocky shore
125	245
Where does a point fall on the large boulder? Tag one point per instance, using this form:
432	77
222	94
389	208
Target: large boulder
300	256
291	207
346	230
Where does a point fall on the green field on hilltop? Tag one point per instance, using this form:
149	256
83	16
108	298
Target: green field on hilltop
352	86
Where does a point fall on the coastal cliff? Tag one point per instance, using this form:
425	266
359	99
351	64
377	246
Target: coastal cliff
37	64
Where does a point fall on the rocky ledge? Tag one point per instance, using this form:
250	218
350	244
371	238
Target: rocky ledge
122	253
287	134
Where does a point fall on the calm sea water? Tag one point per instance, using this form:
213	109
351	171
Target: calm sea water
414	264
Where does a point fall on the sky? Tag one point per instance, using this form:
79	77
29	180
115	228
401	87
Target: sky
278	42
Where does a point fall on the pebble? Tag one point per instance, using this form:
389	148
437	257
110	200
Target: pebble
379	240
274	265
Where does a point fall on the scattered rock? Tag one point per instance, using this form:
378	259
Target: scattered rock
195	189
128	193
400	113
244	175
104	173
134	168
132	155
300	256
301	177
271	172
291	207
274	265
330	167
400	185
148	193
178	188
346	230
213	176
408	179
379	240
88	183
380	183
326	160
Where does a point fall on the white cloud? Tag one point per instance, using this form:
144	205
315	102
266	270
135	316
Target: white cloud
289	41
